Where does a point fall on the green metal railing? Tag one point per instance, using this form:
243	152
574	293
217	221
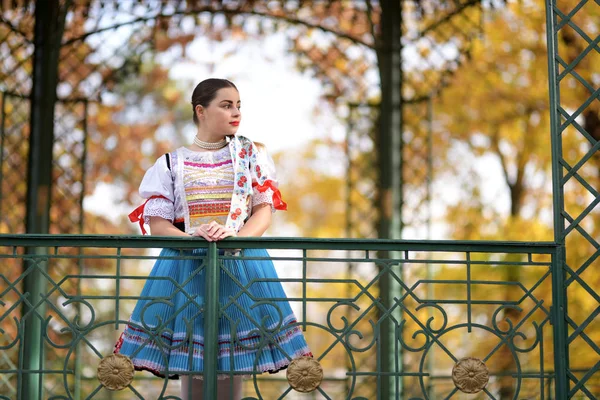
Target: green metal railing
453	301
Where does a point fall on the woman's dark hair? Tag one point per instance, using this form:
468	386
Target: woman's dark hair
206	91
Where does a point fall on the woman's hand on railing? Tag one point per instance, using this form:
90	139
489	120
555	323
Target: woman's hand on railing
214	231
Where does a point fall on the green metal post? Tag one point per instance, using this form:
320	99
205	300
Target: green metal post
211	326
389	140
49	25
389	150
559	295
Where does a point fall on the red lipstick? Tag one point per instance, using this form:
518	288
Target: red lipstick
234	123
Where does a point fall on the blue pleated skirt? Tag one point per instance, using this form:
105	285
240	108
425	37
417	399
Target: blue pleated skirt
257	331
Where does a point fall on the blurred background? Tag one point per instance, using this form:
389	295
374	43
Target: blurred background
422	120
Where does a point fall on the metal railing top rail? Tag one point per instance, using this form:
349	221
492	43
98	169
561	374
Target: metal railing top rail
127	241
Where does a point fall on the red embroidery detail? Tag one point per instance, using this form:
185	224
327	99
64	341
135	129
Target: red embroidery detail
223	345
236	213
119	343
278	202
137	215
242	181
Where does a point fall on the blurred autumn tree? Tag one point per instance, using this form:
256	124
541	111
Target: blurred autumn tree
503	119
491	159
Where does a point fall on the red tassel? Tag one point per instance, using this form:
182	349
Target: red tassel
278	202
137	214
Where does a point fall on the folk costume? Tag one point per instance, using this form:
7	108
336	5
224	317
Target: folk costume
189	189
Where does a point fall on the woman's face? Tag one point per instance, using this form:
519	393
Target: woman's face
223	115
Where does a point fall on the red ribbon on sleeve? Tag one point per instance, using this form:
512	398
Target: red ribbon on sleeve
137	215
278	203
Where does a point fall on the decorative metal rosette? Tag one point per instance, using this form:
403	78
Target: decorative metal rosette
115	372
304	374
470	375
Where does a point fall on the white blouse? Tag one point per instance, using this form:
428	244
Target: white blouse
160	180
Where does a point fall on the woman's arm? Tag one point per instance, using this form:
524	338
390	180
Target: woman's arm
256	225
258	222
162	227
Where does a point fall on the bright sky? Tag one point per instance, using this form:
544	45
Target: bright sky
277	100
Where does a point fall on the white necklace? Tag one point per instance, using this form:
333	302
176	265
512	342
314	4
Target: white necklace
210	145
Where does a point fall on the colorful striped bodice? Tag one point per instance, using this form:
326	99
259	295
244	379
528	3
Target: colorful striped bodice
208	183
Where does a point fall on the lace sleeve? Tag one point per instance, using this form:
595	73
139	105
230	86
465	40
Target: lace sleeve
262	198
264	180
159	207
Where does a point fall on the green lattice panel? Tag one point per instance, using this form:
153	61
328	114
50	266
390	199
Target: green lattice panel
575	57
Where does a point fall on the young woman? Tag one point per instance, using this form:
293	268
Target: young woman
222	185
